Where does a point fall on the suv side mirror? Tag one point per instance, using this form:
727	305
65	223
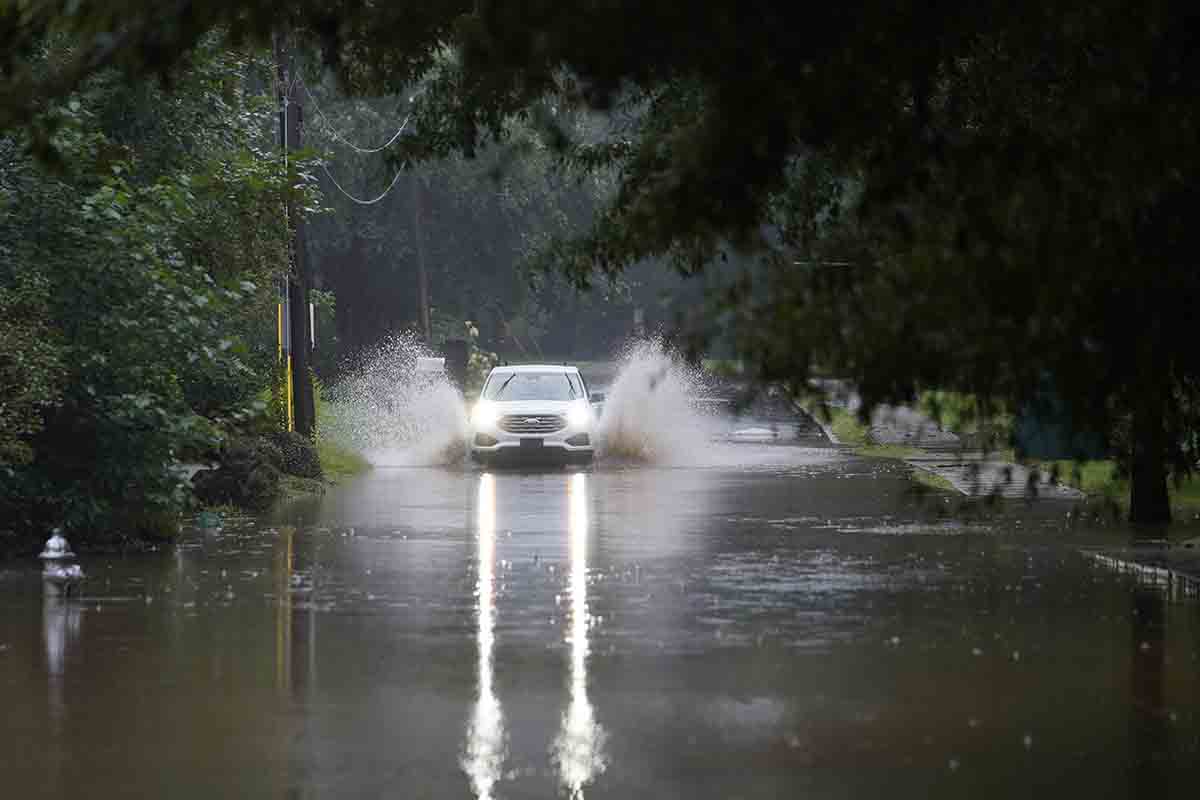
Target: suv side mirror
597	397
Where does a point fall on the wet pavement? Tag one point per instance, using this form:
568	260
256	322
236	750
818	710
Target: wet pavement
782	620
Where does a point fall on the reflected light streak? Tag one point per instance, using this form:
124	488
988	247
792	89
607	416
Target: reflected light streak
60	629
579	747
284	569
61	622
485	749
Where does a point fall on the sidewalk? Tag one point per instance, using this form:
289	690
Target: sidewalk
971	472
1174	568
977	473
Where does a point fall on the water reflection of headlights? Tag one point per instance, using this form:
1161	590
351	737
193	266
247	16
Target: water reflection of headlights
485	748
579	747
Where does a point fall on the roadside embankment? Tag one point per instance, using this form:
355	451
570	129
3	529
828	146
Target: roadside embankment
254	472
339	463
967	456
939	458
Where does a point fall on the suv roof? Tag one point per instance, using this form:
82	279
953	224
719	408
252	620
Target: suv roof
536	368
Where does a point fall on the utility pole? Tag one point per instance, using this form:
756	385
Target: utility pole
303	411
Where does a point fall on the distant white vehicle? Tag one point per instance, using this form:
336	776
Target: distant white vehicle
536	412
428	366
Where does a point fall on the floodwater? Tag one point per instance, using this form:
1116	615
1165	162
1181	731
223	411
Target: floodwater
781	621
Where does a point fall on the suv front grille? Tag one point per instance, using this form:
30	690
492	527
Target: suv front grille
532	423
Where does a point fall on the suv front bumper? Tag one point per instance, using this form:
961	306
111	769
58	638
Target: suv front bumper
494	445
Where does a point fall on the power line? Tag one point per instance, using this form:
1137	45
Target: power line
360	201
356	148
333	131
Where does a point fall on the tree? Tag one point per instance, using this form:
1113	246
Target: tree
139	275
483	222
1011	180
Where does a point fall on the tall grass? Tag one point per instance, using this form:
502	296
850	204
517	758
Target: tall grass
337	461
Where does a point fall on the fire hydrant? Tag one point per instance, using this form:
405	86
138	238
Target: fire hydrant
59	576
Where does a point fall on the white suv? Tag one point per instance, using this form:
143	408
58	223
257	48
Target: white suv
534	412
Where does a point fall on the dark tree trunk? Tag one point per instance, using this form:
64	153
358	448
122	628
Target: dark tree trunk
419	241
1149	503
352	293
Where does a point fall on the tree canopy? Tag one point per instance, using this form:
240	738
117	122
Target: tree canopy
133	283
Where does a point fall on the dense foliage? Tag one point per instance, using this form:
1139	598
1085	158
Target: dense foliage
482	229
138	286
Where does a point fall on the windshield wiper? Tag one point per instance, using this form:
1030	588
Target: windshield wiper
500	391
570	388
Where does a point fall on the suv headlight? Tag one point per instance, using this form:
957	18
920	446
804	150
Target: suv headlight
485	415
579	415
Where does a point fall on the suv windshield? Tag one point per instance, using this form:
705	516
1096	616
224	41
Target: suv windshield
531	386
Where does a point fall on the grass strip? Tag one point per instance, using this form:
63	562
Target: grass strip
848	430
1101	479
931	480
339	463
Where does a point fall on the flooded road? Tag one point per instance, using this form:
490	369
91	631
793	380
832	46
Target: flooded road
784	620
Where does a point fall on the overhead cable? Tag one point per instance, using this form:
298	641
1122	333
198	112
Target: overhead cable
360	201
333	131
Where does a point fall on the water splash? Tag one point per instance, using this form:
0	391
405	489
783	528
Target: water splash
659	411
654	412
395	416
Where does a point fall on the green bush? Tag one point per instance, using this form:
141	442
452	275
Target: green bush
987	425
31	368
136	298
